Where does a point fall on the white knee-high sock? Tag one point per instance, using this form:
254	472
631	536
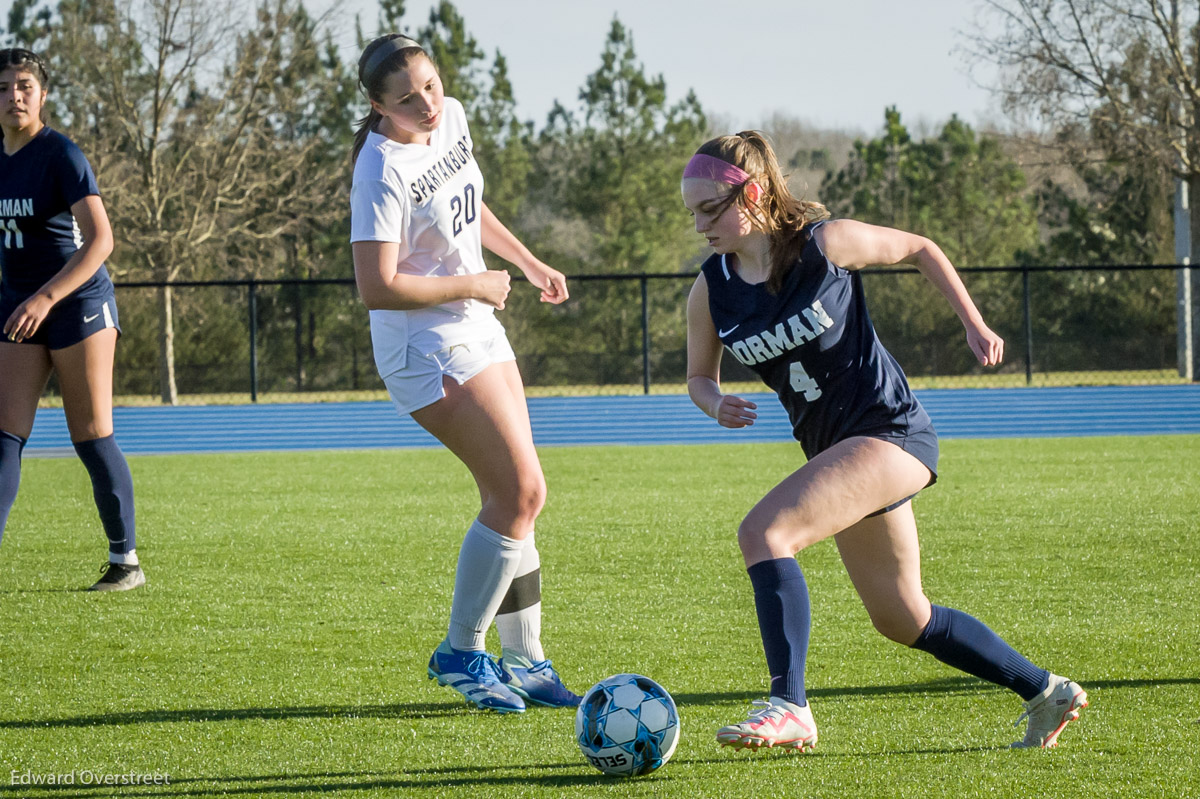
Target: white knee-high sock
486	565
519	619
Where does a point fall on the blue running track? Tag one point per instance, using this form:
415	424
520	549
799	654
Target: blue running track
655	419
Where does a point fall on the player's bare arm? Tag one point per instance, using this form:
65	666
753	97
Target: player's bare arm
383	288
501	241
704	365
854	245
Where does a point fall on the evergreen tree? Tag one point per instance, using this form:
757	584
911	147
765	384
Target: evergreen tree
502	145
28	22
965	194
500	140
1118	214
455	51
605	192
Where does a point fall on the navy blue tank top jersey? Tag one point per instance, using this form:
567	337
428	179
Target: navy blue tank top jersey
38	185
814	345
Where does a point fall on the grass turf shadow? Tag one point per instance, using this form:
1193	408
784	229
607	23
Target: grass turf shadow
467	778
416	710
412	710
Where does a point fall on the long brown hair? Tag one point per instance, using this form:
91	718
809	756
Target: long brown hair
373	72
778	213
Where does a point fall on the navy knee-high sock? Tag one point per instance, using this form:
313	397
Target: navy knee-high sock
10	473
964	642
112	488
784	620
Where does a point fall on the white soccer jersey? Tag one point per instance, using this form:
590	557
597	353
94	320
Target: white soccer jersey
429	199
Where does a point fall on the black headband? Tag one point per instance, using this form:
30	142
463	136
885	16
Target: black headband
385	51
21	55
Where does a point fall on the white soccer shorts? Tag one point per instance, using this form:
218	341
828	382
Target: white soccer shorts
419	383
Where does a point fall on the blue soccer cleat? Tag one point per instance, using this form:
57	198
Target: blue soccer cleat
474	675
536	682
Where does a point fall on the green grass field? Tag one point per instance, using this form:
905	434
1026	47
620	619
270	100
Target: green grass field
293	600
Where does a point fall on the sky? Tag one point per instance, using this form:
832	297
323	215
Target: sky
832	64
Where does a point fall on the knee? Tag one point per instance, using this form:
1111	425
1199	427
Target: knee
897	623
757	535
90	430
531	495
526	496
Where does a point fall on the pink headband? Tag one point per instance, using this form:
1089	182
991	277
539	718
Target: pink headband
710	168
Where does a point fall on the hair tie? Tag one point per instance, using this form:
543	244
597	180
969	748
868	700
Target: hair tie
710	168
385	51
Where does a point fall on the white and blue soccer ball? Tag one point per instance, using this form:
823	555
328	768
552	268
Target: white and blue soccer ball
627	725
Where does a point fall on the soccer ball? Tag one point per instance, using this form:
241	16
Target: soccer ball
627	725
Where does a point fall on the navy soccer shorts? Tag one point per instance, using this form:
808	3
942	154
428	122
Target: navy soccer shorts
921	444
70	321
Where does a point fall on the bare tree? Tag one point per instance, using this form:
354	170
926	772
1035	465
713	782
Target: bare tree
200	134
1125	72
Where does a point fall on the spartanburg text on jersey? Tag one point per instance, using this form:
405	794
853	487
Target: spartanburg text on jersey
38	235
429	200
814	345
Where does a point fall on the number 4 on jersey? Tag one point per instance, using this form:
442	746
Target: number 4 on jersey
801	383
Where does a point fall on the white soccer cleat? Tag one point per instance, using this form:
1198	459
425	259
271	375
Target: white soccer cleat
1050	712
773	723
119	577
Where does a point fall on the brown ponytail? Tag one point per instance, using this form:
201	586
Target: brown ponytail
778	213
380	58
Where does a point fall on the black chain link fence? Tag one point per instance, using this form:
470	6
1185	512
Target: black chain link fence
309	339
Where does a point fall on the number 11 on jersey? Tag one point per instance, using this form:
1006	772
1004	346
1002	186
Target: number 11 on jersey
9	226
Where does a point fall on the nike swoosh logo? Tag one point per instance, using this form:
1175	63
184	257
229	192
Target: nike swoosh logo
91	318
724	333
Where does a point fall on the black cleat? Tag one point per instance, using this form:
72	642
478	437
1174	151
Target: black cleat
119	577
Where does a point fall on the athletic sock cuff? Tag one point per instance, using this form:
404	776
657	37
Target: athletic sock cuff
493	538
21	442
938	627
95	443
767	573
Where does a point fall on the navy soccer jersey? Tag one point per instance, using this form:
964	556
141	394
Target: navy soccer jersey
38	185
814	345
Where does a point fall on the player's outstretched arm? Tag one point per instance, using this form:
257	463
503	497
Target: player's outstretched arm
704	365
500	240
854	245
383	288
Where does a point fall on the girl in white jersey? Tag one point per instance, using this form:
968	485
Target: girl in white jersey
418	224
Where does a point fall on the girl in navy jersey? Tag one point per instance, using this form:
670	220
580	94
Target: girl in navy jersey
783	295
57	306
418	222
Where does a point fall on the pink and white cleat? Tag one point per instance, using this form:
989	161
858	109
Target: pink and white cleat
1050	712
775	722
